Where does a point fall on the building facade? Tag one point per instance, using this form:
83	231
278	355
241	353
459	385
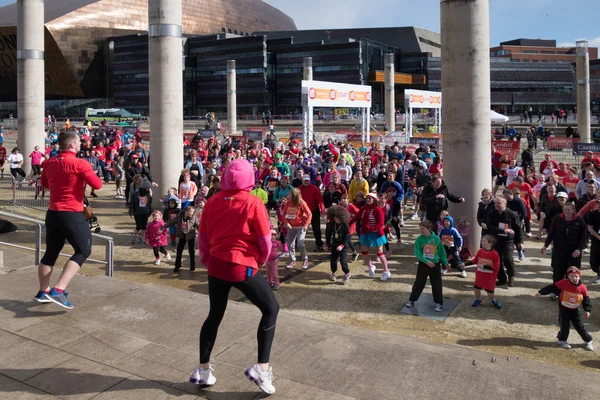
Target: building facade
538	51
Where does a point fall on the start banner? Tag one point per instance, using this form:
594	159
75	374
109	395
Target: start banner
509	147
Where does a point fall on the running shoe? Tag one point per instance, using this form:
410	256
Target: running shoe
142	241
59	299
333	277
414	217
589	346
262	379
444	271
463	274
132	241
275	286
203	377
385	276
354	257
40	297
563	344
476	303
192	268
496	304
521	256
391	236
157	262
371	271
347	278
388	253
438	307
291	265
409	304
402	223
305	264
168	257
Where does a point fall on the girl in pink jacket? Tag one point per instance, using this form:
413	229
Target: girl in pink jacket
157	239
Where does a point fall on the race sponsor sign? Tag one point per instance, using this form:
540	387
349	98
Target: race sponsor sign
206	133
422	99
509	147
253	136
296	133
330	94
580	148
354	138
561	142
424	141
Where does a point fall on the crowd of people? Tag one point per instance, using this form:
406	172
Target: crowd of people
361	196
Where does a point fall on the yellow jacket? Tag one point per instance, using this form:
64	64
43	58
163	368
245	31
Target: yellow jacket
356	186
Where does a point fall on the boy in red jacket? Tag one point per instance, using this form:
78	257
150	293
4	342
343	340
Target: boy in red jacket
573	293
488	265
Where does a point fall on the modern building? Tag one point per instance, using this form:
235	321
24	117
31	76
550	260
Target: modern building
595	86
538	51
76	32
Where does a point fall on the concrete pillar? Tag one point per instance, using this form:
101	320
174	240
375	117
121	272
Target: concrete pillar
166	92
390	93
308	76
583	92
466	104
231	98
30	77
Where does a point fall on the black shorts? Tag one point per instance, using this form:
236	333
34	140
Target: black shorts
2	161
69	225
480	288
141	222
500	180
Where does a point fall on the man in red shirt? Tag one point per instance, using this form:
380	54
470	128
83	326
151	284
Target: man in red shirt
66	176
314	199
547	160
589	157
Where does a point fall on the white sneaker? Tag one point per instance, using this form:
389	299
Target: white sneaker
438	307
414	217
444	271
305	264
528	234
596	280
391	236
291	265
347	278
409	304
589	346
371	271
157	262
586	250
264	380
168	257
563	344
203	377
463	274
385	276
333	277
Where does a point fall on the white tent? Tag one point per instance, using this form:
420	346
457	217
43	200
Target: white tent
496	117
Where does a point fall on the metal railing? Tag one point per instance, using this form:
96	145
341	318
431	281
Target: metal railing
110	244
27	193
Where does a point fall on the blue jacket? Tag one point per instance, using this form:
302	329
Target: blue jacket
399	195
458	242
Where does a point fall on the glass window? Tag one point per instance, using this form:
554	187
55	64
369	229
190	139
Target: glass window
526	60
536	61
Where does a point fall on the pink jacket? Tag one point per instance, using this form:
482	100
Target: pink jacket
154	237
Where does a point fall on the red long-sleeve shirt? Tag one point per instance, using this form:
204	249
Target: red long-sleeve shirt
313	197
66	176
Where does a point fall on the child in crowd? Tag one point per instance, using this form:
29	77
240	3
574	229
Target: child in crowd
440	223
259	192
140	208
273	262
281	223
352	210
486	206
186	225
573	293
487	261
118	172
157	238
187	190
464	229
171	193
452	242
297	216
337	238
171	211
430	253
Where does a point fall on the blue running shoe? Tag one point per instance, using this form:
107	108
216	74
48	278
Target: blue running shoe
40	297
497	304
59	299
476	303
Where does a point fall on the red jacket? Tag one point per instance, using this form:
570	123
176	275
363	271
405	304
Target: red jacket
363	215
313	197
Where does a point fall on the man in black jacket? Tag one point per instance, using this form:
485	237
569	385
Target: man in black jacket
527	159
505	226
435	198
569	234
516	205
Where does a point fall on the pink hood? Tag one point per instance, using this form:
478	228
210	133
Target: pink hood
238	175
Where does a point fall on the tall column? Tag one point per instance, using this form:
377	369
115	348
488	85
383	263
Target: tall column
583	92
466	104
30	77
231	98
390	93
308	76
166	92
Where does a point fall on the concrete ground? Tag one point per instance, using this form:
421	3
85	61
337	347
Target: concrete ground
126	340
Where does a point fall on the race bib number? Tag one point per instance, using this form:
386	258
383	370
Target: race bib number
429	251
343	174
292	213
272	185
571	185
143	201
483	262
448	240
571	300
502	226
428	160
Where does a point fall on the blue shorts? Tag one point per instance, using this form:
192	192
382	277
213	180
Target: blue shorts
372	239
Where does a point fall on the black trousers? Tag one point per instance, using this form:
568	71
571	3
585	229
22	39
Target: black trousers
565	317
342	256
180	246
396	227
17	171
435	277
128	183
316	227
595	256
157	249
561	261
36	169
507	260
257	290
73	227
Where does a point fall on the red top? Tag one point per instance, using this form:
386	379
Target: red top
544	163
353	211
594	160
485	278
66	176
313	198
571	296
2	152
371	218
100	153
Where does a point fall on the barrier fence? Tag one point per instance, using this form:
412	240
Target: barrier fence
26	193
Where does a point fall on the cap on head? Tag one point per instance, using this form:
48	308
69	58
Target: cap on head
562	194
372	195
306	178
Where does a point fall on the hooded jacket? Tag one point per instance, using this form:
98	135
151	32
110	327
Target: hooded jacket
450	236
235	232
433	205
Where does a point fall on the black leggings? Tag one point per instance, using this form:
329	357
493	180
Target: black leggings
257	290
180	246
565	317
61	225
36	169
161	249
17	171
343	256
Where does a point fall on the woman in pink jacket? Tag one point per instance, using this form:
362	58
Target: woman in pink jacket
156	238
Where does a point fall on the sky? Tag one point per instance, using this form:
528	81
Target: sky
509	19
